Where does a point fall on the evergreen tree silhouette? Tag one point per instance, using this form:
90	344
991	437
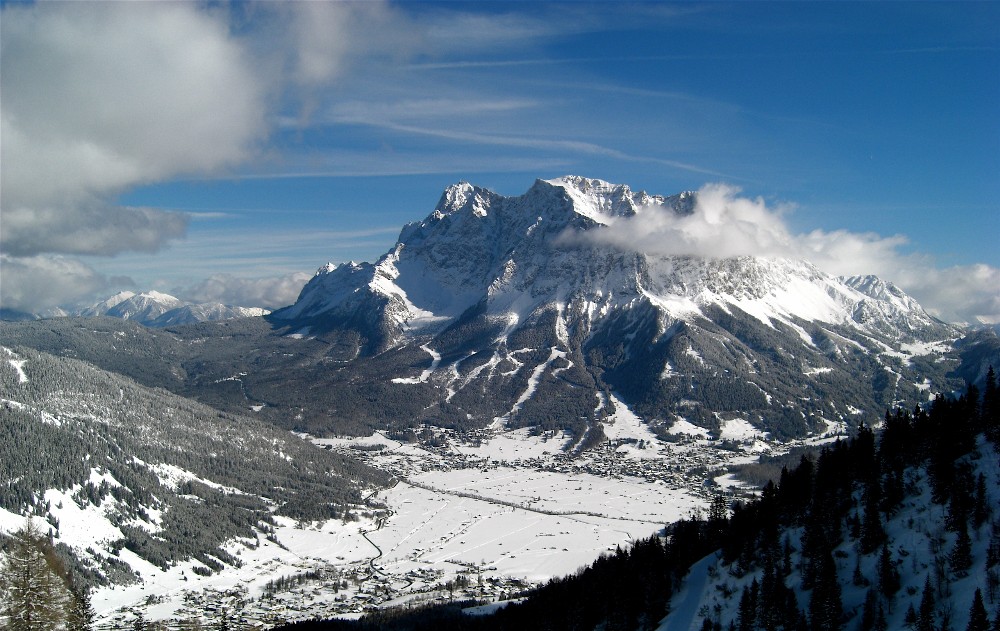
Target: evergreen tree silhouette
978	618
961	555
826	610
35	597
888	575
990	419
925	620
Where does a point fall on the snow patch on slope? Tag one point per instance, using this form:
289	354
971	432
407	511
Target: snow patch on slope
426	374
534	379
17	364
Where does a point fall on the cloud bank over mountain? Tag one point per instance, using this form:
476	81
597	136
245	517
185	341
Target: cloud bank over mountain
270	293
725	224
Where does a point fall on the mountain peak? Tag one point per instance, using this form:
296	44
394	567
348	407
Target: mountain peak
463	196
160	297
598	200
516	254
603	201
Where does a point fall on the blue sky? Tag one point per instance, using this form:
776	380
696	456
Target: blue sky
166	145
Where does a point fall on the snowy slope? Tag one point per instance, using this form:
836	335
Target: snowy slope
147	493
919	544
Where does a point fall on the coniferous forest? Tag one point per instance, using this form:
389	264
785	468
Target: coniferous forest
825	528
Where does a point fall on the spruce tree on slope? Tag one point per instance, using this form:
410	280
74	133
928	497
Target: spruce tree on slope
872	532
80	614
888	576
961	554
991	407
978	618
926	618
826	610
34	596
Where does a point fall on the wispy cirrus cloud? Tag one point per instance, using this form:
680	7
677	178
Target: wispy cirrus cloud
548	144
368	112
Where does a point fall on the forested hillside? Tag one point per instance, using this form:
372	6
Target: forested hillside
162	476
894	528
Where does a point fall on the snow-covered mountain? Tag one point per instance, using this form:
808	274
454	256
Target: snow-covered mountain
156	309
509	294
519	255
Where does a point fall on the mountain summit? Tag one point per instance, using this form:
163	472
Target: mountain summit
510	295
517	254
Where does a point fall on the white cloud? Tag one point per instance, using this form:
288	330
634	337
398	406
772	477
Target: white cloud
270	293
99	97
723	224
962	293
36	283
89	227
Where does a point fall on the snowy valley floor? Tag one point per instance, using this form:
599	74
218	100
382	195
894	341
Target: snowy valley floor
480	516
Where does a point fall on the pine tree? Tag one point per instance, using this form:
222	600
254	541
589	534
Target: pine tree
748	607
991	407
888	575
80	615
34	596
872	531
980	506
978	618
925	620
881	624
961	554
869	612
858	578
826	610
718	517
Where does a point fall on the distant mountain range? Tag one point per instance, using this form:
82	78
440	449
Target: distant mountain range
151	308
156	309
